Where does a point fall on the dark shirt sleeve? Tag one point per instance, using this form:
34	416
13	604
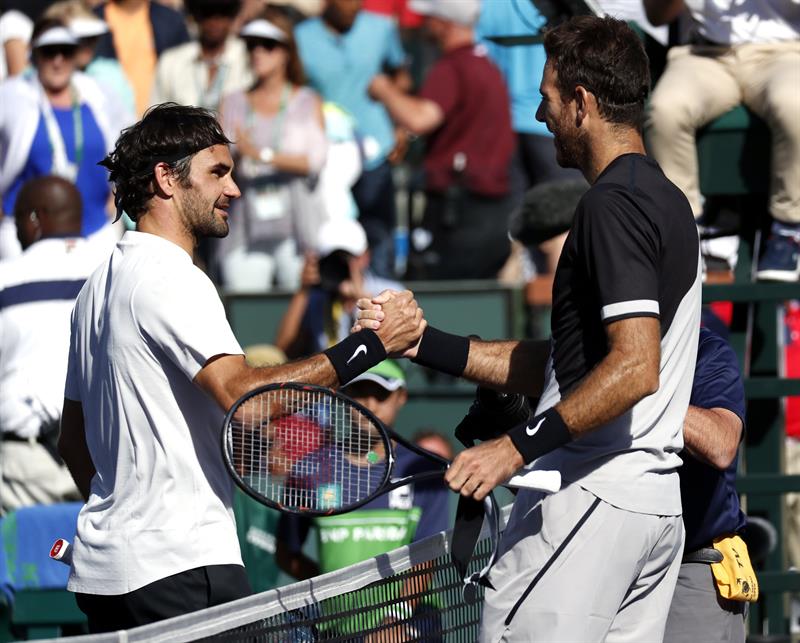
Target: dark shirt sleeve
717	379
622	248
442	87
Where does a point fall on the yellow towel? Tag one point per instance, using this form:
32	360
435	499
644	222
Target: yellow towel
735	577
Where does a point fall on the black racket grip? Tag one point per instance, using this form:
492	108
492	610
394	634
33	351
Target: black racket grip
467	529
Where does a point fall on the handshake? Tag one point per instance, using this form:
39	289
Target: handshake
396	318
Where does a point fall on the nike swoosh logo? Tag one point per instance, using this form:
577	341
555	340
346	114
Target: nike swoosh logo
362	348
532	431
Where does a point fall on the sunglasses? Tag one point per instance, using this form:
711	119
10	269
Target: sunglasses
265	43
53	51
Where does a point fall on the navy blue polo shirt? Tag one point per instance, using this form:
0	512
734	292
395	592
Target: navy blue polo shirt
710	502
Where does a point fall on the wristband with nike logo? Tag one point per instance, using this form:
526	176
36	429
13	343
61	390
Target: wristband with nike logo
356	354
443	352
542	434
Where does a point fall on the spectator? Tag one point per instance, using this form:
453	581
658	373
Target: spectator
88	28
323	310
37	292
280	147
58	121
463	107
397	518
343	165
202	72
522	66
342	50
15	33
712	431
141	31
746	53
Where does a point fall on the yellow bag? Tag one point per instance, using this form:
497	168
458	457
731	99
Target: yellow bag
735	577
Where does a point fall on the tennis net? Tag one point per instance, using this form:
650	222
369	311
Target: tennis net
413	593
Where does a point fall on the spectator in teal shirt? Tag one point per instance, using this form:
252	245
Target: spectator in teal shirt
342	50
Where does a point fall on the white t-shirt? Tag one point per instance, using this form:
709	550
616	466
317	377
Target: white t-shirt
14	25
37	292
144	325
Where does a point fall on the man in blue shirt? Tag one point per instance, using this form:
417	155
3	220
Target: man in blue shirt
522	66
342	50
711	431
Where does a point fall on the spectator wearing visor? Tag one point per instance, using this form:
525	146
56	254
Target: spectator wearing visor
323	310
203	71
56	120
279	148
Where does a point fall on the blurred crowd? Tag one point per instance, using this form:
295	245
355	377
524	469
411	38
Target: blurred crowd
374	141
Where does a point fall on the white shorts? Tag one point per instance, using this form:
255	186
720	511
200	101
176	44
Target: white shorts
612	581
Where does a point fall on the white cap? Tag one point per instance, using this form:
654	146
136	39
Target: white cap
464	12
55	36
342	234
87	27
263	29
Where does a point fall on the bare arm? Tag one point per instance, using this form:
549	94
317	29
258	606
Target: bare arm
418	115
712	435
627	374
227	377
16	51
510	366
662	12
72	447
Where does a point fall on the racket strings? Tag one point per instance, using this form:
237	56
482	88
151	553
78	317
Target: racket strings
306	450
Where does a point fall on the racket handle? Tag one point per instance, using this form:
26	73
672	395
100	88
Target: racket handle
61	551
549	481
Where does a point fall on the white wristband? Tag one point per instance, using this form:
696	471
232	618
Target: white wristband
266	155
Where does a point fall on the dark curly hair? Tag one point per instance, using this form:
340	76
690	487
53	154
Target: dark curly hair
168	133
605	56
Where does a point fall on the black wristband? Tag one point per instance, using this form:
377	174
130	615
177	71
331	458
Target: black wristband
356	354
538	436
443	352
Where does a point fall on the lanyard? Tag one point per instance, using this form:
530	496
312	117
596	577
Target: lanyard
61	163
210	93
279	119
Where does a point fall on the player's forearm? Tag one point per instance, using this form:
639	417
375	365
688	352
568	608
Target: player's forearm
609	390
510	366
712	435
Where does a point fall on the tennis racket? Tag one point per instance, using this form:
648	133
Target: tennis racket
313	451
309	450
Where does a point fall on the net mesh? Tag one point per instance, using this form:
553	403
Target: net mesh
413	593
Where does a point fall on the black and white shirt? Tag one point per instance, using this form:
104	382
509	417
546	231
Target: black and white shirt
632	251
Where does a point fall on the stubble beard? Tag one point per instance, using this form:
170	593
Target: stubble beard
570	146
199	217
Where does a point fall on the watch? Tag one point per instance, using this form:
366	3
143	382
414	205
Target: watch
266	155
